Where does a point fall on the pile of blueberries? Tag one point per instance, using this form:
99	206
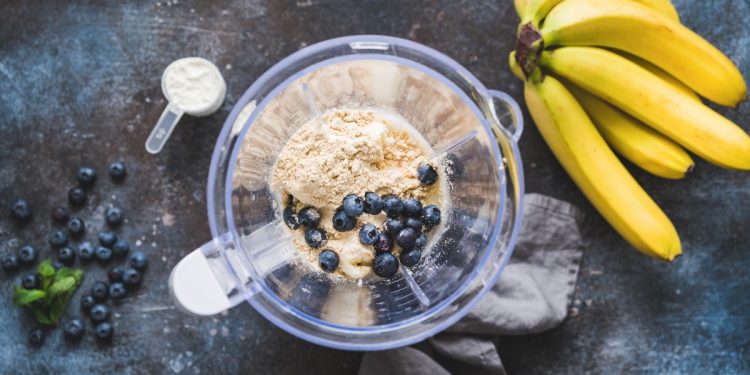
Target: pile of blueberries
122	278
406	222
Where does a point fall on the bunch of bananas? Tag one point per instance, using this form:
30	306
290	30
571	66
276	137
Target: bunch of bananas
627	74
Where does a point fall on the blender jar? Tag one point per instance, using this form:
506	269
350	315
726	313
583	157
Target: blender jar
472	130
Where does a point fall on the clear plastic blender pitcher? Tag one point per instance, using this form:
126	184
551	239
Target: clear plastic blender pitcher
251	258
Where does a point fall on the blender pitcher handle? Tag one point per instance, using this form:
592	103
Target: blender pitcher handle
507	113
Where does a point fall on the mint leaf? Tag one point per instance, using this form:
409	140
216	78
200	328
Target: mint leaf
58	287
41	317
62	286
62	273
46	273
58	306
23	297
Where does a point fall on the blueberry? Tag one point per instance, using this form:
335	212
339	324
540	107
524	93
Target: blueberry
412	207
413	223
86	176
353	205
131	277
118	171
76	227
85	251
406	238
103	331
138	260
316	237
107	238
99	313
20	210
103	254
115	273
60	215
410	258
368	234
10	262
36	336
393	206
58	239
27	255
393	226
87	302
100	291
343	222
431	216
291	219
114	216
384	244
421	242
117	291
385	265
309	217
426	174
77	196
66	255
373	203
329	260
31	281
74	329
121	248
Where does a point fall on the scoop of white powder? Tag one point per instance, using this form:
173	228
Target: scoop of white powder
194	85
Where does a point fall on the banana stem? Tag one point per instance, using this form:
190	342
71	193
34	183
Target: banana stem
529	48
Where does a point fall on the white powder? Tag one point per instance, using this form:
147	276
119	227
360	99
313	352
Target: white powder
194	85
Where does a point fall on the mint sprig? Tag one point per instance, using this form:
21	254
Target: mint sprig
57	288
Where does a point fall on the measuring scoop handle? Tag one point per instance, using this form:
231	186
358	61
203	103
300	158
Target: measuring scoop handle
163	129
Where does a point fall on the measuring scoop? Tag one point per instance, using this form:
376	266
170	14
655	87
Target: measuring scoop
192	85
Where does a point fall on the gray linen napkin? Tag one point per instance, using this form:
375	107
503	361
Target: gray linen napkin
532	296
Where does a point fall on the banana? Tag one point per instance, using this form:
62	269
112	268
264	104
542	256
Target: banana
514	68
659	72
534	11
665	7
649	99
634	28
596	170
635	141
520	6
356	262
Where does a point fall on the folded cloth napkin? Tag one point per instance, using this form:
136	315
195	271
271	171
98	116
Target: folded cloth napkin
532	295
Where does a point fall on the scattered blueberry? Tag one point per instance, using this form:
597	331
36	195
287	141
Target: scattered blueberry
66	255
99	313
131	277
103	254
393	226
121	247
291	219
118	171
60	215
86	176
421	242
343	222
27	255
100	291
329	260
107	238
385	265
406	238
74	329
384	244
76	227
373	203
412	207
138	260
36	336
103	331
315	237
86	251
410	258
117	291
368	234
426	174
20	210
31	281
114	216
10	262
413	223
431	216
115	273
353	205
77	196
87	302
58	239
309	217
393	206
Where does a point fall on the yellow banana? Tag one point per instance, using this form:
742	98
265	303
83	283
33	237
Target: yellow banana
535	10
635	141
664	7
659	72
520	6
514	68
596	170
649	99
631	27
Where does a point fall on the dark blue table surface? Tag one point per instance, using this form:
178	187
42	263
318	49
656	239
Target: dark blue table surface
80	84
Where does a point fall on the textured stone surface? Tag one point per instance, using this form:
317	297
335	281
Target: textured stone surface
79	84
